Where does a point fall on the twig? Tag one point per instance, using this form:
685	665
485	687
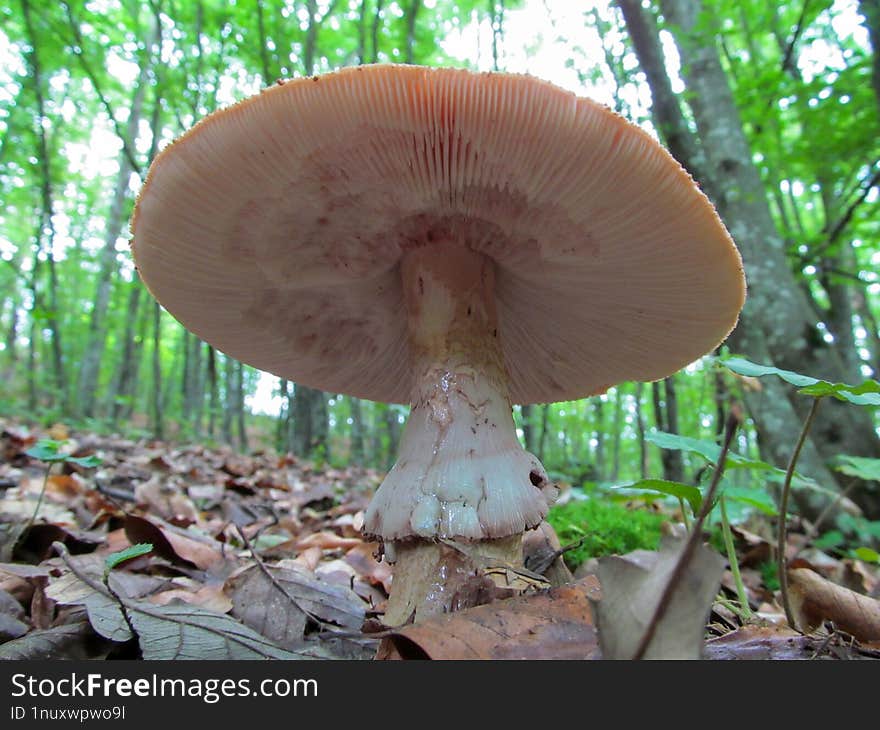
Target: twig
693	538
783	508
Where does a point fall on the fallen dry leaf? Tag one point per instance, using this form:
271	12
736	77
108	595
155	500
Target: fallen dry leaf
327	541
171	544
632	588
210	597
761	642
815	599
363	559
556	624
277	602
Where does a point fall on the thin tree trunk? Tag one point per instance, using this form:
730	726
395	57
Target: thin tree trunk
392	427
542	439
229	399
599	411
616	434
240	422
640	430
45	235
211	378
412	13
357	431
123	390
95	343
528	429
156	401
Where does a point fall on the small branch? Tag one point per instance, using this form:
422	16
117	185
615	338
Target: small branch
693	539
783	507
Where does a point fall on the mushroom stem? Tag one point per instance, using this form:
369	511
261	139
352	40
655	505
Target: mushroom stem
461	474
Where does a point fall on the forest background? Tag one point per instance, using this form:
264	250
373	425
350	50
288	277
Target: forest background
772	107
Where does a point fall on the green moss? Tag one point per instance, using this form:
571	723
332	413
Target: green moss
607	528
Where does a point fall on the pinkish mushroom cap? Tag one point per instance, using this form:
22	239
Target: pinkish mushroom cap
274	230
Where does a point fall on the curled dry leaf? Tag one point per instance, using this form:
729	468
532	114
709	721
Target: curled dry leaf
815	599
363	559
555	624
632	588
172	545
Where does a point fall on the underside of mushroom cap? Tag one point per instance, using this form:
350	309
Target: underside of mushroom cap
274	230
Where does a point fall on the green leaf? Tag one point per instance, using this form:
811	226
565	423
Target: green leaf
50	451
860	467
831	539
673	489
866	554
47	450
864	394
709	450
133	551
756	498
89	462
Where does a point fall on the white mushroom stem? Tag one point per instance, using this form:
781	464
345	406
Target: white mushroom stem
461	473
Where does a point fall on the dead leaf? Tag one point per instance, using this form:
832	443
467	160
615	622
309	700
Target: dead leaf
761	642
70	641
542	554
310	558
278	602
327	541
182	632
632	587
363	559
555	624
815	600
210	597
171	544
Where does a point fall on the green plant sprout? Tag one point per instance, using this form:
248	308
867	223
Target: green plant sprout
49	451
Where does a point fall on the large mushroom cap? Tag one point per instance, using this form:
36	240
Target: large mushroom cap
274	230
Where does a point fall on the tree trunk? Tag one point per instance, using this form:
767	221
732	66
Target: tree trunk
45	233
156	400
616	434
357	431
599	411
640	429
93	352
123	389
412	13
776	316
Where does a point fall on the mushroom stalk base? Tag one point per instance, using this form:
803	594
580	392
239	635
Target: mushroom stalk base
461	473
431	578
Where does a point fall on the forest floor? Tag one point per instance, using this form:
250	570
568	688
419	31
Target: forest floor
262	556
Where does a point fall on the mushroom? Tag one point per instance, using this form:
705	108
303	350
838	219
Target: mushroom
453	240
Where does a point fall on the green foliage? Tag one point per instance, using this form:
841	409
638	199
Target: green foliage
770	575
133	551
49	451
686	492
605	527
866	393
860	467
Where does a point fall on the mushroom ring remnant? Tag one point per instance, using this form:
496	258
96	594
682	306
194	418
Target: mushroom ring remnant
453	240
